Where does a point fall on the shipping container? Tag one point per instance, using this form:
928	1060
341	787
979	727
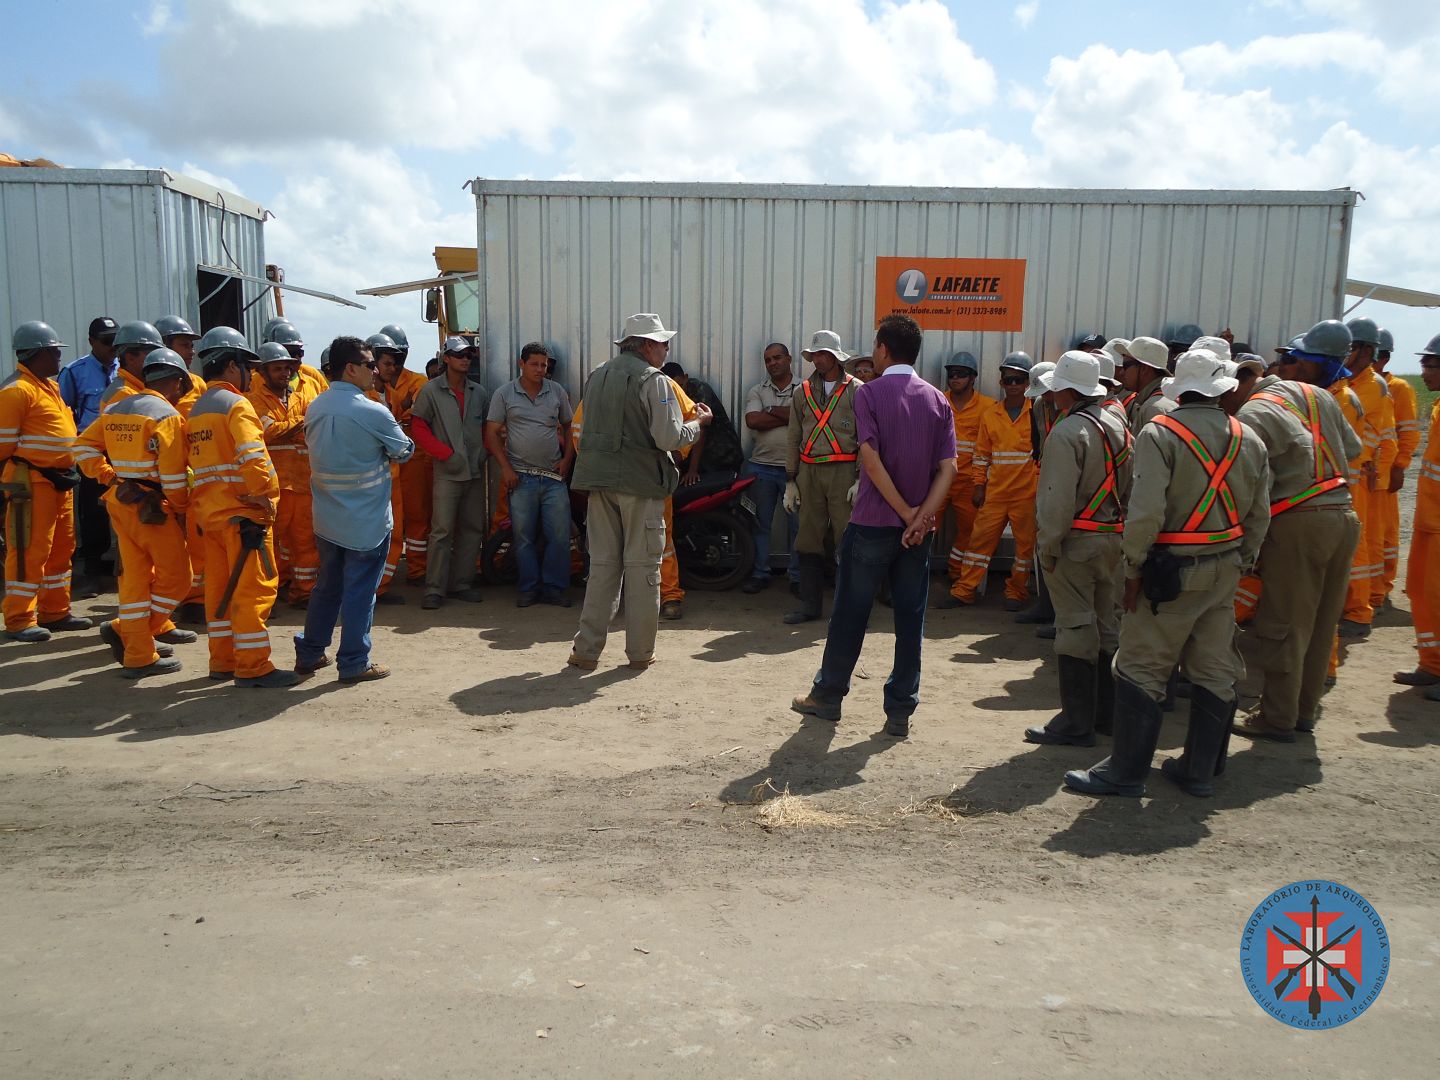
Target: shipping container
128	243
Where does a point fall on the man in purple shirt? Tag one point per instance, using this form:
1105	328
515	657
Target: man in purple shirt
906	431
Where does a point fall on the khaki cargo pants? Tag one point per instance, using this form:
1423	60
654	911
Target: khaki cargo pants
625	535
1084	591
824	509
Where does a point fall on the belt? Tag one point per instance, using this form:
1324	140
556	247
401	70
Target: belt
1196	560
549	474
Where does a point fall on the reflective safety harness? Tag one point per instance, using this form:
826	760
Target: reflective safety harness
1216	488
1128	400
1085	521
822	426
1325	461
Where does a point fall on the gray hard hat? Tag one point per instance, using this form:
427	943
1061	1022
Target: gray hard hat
1019	361
162	363
270	325
174	326
1291	345
270	352
1184	336
137	333
29	336
965	360
382	342
1328	338
285	334
1363	331
1433	349
325	358
225	337
1387	342
396	333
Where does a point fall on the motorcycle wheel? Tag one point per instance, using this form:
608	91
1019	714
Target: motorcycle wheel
716	550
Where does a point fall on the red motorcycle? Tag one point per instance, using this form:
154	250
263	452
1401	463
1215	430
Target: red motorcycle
715	523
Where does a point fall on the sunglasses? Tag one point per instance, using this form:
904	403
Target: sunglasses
1014	380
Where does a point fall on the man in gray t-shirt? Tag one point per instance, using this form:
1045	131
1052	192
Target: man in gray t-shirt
535	456
767	416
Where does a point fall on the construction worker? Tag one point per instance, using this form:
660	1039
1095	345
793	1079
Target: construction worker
282	332
1197	514
1305	560
1422	582
767	415
1079	520
37	470
416	475
1367	583
1180	339
137	450
821	467
386	355
133	342
448	421
82	383
1005	475
234	492
969	407
1407	441
1111	356
281	407
180	338
1142	374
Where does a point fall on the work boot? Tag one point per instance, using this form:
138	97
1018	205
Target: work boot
560	598
527	599
1207	740
671	610
1433	694
810	705
584	663
897	727
755	585
1041	611
163	666
370	674
1074	724
1253	726
387	599
1349	628
31	635
192	614
812	586
431	601
1046	633
1137	731
310	667
950	600
276	680
111	637
467	596
67	622
176	637
1172	691
1105	694
1418	677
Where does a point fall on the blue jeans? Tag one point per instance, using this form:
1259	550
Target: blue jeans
871	554
345	589
767	491
538	503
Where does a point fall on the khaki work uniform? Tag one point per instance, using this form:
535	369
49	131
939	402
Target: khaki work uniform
1147	404
1084	483
1305	560
457	521
1168	487
821	457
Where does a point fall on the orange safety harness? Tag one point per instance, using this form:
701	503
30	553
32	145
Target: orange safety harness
1086	522
1128	400
1216	488
1323	457
822	426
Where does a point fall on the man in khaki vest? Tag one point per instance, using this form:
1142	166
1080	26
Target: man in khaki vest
632	424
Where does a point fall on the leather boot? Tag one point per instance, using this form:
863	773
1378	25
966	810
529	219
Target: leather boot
1137	731
1105	695
1041	611
812	585
1206	741
1074	724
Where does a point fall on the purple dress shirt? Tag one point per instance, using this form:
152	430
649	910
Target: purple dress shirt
912	427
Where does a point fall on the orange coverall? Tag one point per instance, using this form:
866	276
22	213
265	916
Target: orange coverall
141	438
1407	441
1379	436
283	422
416	481
962	488
1422	582
1005	465
37	425
227	460
194	542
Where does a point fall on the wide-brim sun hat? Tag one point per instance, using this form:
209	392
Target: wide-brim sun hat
645	325
1217	345
1037	378
1075	370
1199	371
825	341
1152	352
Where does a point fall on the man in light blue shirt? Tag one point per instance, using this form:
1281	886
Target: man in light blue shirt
82	384
352	441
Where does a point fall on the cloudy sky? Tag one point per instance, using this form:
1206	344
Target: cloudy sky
357	121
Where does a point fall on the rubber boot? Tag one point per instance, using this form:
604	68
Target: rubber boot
1041	611
1224	754
1074	724
1206	741
812	586
1105	694
1171	687
1137	732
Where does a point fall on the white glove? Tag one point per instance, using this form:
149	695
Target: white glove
791	501
850	495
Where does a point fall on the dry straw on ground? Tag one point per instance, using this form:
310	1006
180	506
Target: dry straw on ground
782	810
947	808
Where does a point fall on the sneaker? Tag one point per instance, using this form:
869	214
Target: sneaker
672	610
389	598
584	663
313	666
159	667
468	596
275	680
431	601
177	637
560	599
755	585
370	674
527	599
31	635
67	622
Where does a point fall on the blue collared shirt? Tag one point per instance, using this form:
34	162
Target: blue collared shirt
82	383
352	441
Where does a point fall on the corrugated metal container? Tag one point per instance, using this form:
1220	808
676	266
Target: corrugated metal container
735	266
130	244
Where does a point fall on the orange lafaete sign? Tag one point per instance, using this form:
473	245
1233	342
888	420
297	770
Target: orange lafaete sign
952	294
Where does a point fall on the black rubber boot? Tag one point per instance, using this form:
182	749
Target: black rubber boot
1105	695
1206	741
1224	754
1171	686
1074	724
1041	611
812	586
1137	731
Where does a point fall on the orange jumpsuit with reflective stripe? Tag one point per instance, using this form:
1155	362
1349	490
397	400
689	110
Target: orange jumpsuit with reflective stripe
36	425
1407	441
228	460
1379	436
962	488
416	480
194	542
1422	580
1357	597
1005	464
282	418
141	438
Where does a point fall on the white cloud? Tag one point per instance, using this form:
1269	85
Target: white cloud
1024	14
158	20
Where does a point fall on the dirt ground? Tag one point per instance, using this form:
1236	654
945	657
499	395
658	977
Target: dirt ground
491	865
